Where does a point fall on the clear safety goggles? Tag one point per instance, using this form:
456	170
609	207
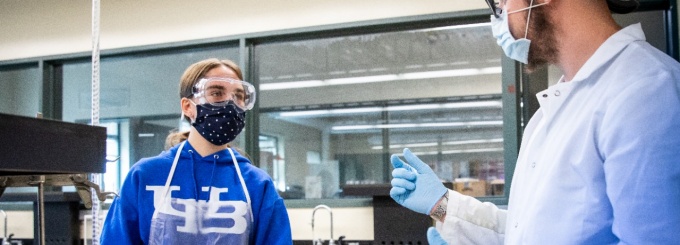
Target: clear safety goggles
495	7
218	91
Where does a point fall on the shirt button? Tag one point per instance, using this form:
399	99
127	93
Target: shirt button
533	164
545	95
516	224
557	93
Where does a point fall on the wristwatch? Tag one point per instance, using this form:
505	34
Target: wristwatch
439	212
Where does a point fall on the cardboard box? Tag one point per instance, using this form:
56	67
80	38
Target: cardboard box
497	187
470	187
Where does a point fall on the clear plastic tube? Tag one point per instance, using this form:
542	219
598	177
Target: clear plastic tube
95	177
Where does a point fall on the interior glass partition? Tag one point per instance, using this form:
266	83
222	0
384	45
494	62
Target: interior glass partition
21	92
139	101
341	106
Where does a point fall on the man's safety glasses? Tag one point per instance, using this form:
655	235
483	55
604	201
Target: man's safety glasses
218	91
495	7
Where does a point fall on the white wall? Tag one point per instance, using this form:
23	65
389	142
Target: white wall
353	223
19	223
32	28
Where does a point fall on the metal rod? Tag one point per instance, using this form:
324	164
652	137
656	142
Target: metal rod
89	192
41	210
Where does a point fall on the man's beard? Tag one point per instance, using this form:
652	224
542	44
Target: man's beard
543	49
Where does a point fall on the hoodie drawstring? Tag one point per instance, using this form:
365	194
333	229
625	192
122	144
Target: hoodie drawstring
193	173
166	188
243	182
212	175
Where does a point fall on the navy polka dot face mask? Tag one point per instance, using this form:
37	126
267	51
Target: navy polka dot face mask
219	124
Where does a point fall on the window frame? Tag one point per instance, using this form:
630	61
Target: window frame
513	95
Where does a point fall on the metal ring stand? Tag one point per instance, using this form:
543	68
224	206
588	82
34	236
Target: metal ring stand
80	181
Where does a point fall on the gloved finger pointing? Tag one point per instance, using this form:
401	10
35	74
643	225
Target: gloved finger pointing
416	163
397	162
403	174
408	185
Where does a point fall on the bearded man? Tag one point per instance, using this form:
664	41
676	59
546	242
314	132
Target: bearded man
599	161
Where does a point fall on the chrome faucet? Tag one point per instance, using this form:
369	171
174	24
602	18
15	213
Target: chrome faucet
319	241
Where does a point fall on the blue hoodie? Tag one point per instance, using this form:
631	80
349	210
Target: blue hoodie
129	217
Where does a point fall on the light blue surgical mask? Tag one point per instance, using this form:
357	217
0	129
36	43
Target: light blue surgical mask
516	49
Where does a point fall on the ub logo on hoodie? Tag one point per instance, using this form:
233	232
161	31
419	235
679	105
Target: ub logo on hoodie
201	216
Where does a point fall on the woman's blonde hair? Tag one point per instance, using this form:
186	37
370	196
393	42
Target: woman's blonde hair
196	71
175	137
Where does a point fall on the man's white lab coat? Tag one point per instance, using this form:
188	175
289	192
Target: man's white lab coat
599	161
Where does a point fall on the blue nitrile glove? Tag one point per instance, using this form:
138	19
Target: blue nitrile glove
433	237
414	185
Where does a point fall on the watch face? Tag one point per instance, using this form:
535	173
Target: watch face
439	211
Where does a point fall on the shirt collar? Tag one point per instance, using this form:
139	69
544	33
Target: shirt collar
611	47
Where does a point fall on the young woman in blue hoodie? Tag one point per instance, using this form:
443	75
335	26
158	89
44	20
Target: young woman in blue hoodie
201	191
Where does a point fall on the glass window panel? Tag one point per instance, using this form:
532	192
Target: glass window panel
140	94
456	61
335	103
462	141
112	177
136	85
312	146
20	91
273	160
